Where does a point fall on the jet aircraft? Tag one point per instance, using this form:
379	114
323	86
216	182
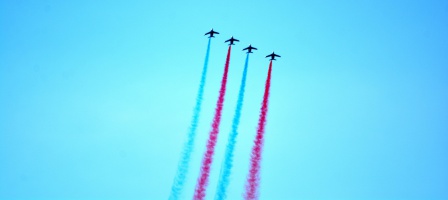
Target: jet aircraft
273	55
249	48
211	33
231	40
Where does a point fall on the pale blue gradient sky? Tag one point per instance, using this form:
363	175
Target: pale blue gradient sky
96	97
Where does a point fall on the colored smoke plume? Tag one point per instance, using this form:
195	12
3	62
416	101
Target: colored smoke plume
253	179
228	157
182	169
208	156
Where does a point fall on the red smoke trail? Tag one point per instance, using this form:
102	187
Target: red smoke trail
208	156
253	179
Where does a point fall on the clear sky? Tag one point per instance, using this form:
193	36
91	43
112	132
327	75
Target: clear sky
96	97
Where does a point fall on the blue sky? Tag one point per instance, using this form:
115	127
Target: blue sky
96	97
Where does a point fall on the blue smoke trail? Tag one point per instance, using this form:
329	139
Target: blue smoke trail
182	169
228	158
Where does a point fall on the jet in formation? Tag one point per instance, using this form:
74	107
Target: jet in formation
211	33
249	49
273	55
231	40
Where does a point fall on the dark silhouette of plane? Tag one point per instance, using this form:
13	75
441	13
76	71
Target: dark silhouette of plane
231	40
249	48
273	55
211	33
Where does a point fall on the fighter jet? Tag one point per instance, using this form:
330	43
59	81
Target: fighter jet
273	55
231	40
249	49
211	33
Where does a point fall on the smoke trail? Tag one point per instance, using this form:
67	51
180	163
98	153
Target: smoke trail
253	179
208	156
228	157
182	169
